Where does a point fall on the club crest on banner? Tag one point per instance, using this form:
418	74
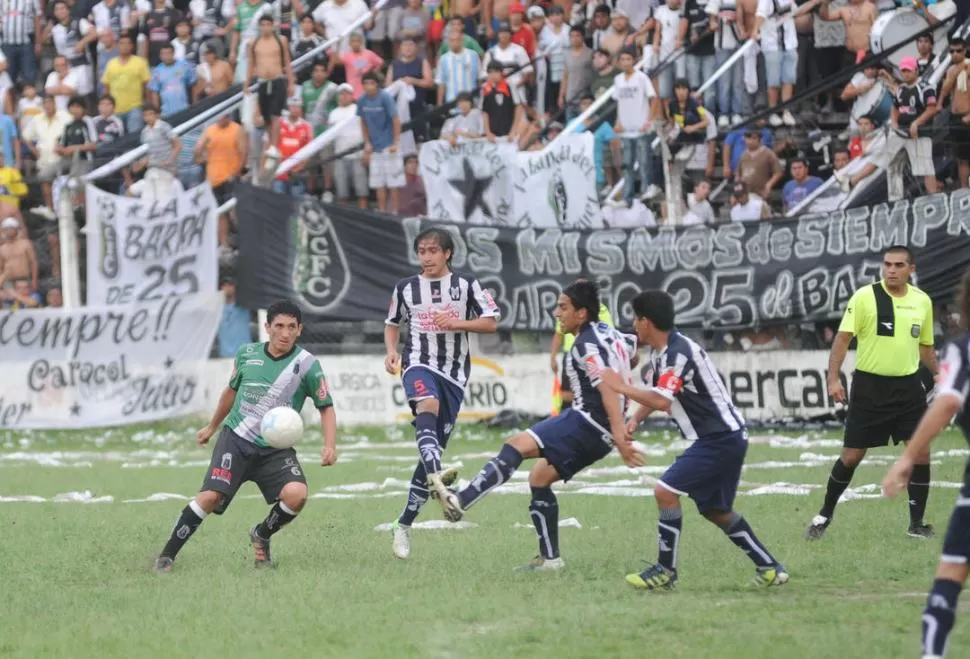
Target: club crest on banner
557	188
321	275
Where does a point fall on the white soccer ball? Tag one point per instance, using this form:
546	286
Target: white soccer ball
281	427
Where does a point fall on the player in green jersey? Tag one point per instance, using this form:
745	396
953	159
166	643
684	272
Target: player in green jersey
265	375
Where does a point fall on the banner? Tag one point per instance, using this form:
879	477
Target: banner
141	250
106	365
493	183
341	263
764	385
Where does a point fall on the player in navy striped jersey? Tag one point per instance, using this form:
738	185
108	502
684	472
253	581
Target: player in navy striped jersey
952	399
570	442
440	308
684	383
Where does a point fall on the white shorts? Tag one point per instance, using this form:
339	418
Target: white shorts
919	151
386	170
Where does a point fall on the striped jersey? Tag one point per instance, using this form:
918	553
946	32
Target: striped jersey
262	382
17	21
598	346
954	378
684	374
458	72
416	300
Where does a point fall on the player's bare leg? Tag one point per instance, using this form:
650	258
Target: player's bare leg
544	510
839	480
189	520
495	472
287	507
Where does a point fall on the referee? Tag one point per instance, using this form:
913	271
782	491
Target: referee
892	322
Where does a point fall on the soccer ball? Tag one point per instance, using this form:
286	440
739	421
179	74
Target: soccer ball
281	427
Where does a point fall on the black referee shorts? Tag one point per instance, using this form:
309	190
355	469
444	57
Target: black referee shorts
883	407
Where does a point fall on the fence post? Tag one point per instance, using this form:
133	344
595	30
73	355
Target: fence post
67	237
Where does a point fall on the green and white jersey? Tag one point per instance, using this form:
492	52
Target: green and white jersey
262	382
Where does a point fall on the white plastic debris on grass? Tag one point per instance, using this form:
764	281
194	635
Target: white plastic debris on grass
81	497
158	496
22	498
792	489
615	491
568	523
432	524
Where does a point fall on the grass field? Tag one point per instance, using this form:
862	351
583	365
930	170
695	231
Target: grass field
99	505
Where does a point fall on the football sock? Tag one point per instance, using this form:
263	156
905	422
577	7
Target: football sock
192	515
544	509
279	516
919	492
939	616
839	479
668	528
417	496
740	533
426	432
495	472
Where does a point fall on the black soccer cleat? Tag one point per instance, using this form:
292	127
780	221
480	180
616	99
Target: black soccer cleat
817	528
163	564
260	549
921	530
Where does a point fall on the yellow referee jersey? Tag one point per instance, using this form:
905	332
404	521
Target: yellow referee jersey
569	339
889	330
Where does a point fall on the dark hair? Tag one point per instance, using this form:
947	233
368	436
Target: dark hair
306	16
183	21
627	51
166	46
602	9
107	97
370	75
150	107
657	307
283	308
494	65
407	37
869	118
266	17
901	249
587	97
76	100
963	299
681	83
801	159
455	18
126	35
445	241
464	96
578	28
604	51
957	41
319	62
584	294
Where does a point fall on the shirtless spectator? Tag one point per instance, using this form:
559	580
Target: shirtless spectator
17	257
269	63
959	95
214	75
493	13
858	18
21	296
620	34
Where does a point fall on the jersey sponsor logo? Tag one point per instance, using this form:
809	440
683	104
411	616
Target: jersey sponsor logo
594	367
220	474
427	321
254	362
914	331
887	325
944	372
489	299
323	390
671	382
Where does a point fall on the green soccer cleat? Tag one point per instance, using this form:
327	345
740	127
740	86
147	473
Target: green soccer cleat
655	577
773	575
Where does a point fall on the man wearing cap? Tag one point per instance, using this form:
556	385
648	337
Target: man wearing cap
348	170
522	33
295	133
17	257
914	106
746	207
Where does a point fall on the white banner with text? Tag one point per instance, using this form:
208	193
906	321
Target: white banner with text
140	250
106	365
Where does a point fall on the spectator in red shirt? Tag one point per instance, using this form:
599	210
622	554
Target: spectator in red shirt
295	133
522	33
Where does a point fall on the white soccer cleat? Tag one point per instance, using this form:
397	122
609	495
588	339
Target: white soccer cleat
540	564
450	504
402	540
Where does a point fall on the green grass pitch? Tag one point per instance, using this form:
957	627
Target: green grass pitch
84	513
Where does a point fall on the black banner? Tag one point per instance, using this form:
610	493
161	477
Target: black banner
341	263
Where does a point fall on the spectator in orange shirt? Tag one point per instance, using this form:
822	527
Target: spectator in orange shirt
224	147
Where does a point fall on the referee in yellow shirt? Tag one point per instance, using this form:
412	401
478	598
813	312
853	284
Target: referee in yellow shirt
561	345
892	322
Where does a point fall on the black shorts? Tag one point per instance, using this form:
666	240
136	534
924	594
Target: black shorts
883	407
956	544
235	461
959	137
272	97
223	193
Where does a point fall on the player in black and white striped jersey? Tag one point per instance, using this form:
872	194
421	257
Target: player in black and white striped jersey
440	307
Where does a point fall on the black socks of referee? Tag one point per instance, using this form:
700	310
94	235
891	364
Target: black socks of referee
919	492
190	519
839	479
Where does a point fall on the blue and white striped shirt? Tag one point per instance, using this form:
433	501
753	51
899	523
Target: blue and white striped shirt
458	72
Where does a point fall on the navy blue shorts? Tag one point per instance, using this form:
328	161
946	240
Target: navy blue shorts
570	443
956	544
421	383
708	471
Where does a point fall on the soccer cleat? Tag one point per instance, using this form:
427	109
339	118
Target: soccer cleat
921	530
817	528
448	477
163	564
450	504
540	564
773	575
655	577
260	549
402	540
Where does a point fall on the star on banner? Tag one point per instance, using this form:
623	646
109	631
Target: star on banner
472	189
168	362
75	410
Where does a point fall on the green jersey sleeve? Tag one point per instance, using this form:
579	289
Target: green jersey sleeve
236	376
317	388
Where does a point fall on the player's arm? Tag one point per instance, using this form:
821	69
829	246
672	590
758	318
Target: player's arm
226	400
927	349
952	390
614	412
392	330
319	391
554	349
851	321
482	306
